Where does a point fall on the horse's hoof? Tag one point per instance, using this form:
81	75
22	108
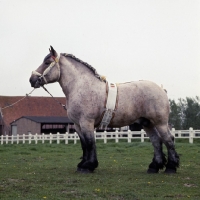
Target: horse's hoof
84	171
152	171
170	171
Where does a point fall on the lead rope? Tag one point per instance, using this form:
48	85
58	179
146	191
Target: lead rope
17	101
1	113
64	107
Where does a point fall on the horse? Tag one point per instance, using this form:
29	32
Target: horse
86	93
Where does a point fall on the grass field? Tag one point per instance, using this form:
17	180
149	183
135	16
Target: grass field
47	171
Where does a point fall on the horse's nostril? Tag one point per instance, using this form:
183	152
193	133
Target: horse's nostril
39	80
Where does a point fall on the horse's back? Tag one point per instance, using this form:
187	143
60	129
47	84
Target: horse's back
145	88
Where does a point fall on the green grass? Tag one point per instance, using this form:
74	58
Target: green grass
47	171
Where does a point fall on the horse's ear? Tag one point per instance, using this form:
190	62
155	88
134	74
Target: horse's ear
53	52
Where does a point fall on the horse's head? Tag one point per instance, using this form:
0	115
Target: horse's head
48	71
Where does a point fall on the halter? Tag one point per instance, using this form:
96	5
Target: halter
48	69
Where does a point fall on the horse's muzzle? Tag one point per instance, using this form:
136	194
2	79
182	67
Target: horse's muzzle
36	82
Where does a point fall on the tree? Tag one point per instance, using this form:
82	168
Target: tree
185	113
174	116
192	113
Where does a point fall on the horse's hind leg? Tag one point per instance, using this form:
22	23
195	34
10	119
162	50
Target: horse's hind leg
168	140
159	160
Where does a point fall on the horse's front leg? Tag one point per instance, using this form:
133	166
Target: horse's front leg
89	160
82	139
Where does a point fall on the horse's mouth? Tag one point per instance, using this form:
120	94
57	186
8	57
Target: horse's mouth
36	83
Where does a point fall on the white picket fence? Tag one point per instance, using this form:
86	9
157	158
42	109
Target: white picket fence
105	136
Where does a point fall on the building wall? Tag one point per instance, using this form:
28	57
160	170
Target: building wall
24	126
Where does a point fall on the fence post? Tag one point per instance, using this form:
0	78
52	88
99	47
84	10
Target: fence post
36	138
43	138
11	139
58	138
17	138
23	138
6	139
66	138
191	135
1	139
29	137
105	136
116	136
173	133
129	136
179	134
50	138
142	135
75	138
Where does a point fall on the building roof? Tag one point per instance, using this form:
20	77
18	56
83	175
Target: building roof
48	120
30	106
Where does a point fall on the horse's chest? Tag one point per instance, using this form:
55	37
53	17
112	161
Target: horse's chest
86	104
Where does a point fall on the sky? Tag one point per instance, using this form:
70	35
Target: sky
125	40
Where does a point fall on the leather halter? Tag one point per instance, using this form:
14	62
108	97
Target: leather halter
48	69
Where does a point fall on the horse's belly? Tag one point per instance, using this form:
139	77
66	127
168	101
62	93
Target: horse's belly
124	119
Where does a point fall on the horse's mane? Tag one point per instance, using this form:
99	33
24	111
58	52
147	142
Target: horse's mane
102	78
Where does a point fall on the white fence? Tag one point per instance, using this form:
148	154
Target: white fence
105	136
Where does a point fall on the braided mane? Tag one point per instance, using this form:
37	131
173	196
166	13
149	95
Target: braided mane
102	78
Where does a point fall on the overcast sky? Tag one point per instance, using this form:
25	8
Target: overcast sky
125	40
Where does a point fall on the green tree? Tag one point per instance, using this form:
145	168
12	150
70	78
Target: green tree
185	113
174	116
192	113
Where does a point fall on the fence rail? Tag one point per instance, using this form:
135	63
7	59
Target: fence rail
105	136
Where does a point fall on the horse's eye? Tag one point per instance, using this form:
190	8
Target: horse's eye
47	63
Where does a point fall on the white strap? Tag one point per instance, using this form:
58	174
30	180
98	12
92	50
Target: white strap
46	71
112	94
36	73
110	105
57	58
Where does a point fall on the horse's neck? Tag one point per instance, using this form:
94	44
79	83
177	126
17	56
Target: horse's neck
75	75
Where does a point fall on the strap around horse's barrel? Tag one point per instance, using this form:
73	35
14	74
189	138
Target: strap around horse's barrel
110	105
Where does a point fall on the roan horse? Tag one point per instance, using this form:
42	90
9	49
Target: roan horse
85	92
